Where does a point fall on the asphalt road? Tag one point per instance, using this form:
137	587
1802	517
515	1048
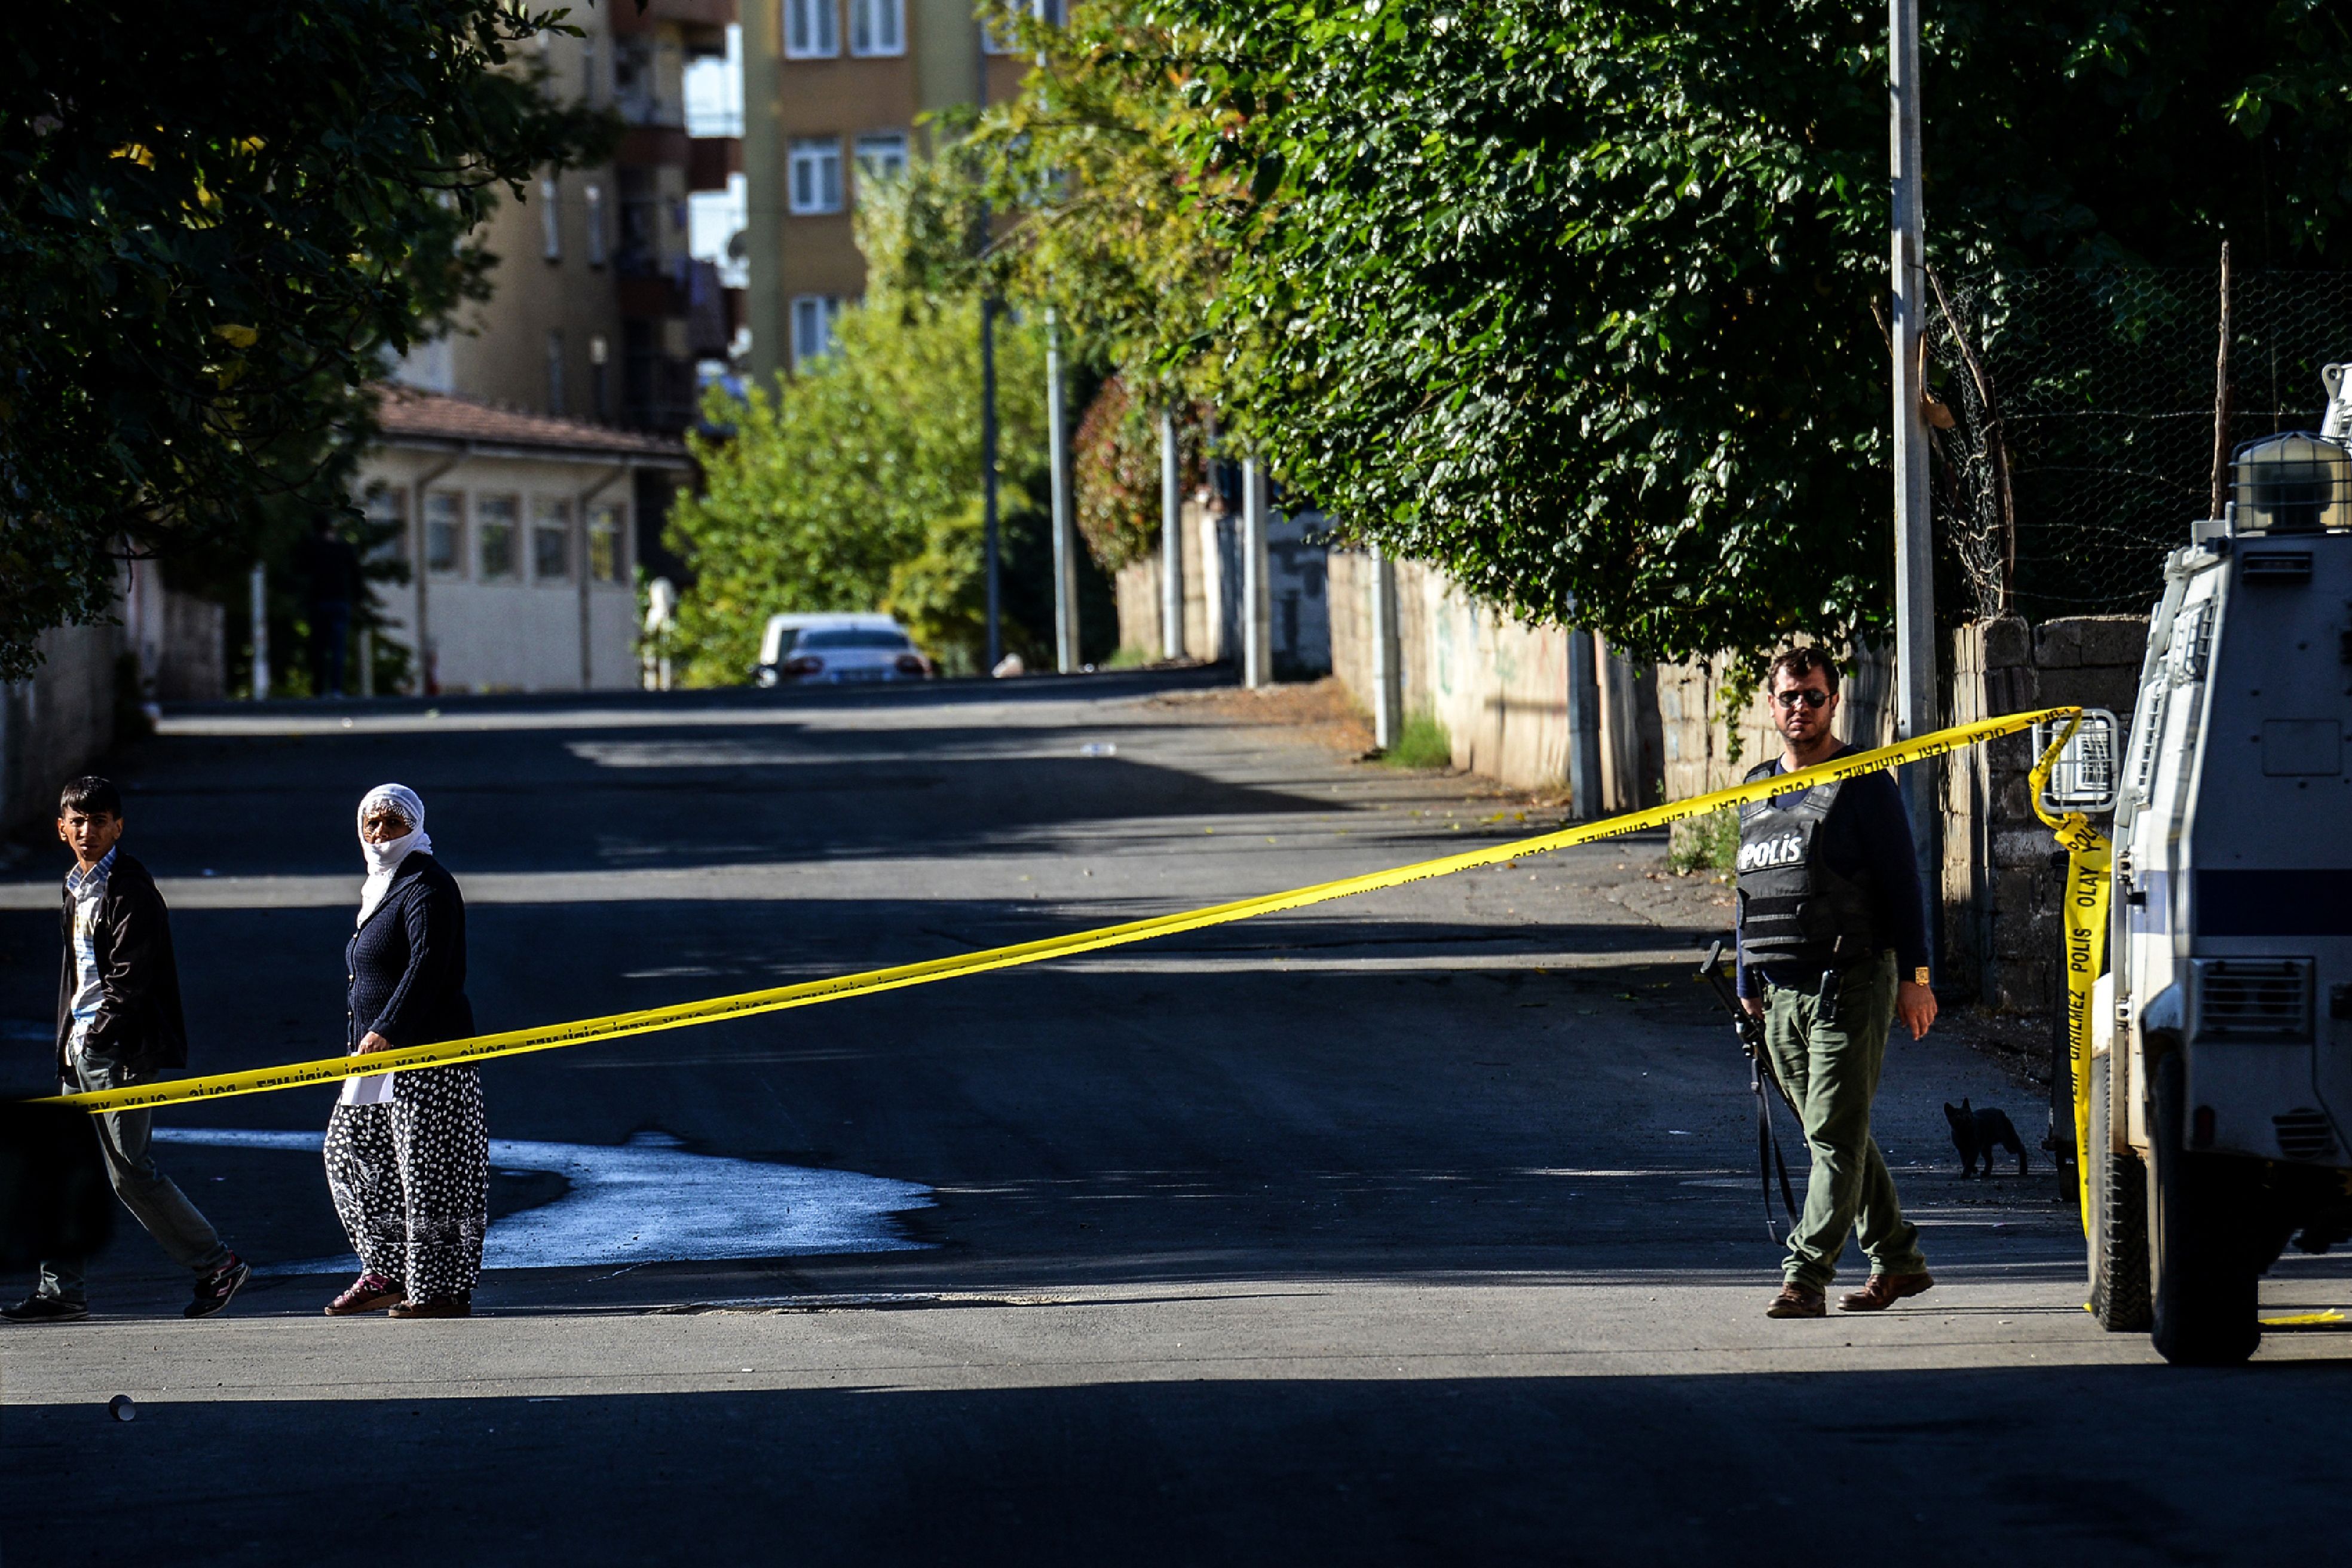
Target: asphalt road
1419	1227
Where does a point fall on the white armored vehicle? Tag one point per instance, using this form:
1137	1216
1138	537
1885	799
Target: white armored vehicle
2220	1081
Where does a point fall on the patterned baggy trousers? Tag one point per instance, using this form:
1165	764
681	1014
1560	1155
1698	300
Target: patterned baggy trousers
411	1179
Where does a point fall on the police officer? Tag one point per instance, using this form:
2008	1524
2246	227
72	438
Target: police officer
1833	950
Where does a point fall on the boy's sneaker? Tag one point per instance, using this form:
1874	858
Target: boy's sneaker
213	1290
40	1309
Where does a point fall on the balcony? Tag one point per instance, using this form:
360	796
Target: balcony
709	160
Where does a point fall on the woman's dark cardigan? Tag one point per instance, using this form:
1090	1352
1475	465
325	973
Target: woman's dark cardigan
407	962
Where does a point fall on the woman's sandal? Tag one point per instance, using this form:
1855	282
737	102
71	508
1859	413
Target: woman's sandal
436	1306
367	1293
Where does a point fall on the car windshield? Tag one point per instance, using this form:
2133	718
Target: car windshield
851	636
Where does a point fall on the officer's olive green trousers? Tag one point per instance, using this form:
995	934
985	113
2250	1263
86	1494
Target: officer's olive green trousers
1830	1072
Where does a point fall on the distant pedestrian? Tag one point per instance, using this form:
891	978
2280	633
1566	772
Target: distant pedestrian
1832	951
119	1023
331	583
408	1154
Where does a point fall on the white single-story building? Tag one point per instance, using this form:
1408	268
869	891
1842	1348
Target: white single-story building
518	532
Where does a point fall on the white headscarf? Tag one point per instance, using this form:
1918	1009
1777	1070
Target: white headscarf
383	859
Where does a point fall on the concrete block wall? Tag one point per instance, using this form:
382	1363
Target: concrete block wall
1298	595
58	722
2001	886
1499	684
1707	748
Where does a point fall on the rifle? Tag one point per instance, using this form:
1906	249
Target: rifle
1750	1032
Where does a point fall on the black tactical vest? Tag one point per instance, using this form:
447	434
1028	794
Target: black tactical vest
1797	915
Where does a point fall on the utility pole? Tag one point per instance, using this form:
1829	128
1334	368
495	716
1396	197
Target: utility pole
1065	562
1171	538
1387	678
1257	663
1583	722
991	550
1914	557
260	606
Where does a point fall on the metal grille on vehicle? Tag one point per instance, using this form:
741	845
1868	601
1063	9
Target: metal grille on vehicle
2304	1134
2253	998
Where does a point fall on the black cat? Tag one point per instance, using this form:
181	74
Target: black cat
1980	1133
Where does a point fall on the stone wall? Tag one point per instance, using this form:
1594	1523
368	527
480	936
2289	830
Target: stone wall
2001	882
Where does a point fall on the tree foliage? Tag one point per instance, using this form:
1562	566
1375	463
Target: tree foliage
856	483
1582	301
214	222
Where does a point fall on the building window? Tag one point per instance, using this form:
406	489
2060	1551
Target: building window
445	533
816	175
550	220
812	319
604	542
595	202
555	373
387	515
881	156
496	522
878	26
551	539
812	29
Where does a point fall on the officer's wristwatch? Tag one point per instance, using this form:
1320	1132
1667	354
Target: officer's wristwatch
1919	976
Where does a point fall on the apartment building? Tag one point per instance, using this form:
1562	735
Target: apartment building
832	91
587	359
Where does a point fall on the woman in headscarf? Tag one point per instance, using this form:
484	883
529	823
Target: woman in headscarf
408	1153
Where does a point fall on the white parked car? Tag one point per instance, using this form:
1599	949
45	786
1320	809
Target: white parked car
812	649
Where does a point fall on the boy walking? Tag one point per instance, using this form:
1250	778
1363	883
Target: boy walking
118	1022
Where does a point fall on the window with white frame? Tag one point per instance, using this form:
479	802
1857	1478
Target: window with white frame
881	155
445	533
550	220
878	26
594	203
816	175
496	521
812	29
551	539
812	319
1000	38
387	515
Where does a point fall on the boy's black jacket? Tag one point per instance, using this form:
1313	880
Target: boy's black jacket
139	1024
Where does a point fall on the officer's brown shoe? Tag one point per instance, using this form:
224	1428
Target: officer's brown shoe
1885	1290
1796	1300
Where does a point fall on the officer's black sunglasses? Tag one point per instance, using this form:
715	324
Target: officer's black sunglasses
1812	697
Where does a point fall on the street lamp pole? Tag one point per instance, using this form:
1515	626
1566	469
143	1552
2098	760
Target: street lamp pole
1915	560
1066	554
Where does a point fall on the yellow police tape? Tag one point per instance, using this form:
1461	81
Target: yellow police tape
514	1042
2089	857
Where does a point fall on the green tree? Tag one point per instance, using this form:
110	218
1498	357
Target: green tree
1583	299
214	223
855	484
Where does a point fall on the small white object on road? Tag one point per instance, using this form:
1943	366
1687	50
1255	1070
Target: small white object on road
121	1408
1099	748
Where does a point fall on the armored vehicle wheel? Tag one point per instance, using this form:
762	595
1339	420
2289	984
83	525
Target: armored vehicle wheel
2206	1279
2119	1278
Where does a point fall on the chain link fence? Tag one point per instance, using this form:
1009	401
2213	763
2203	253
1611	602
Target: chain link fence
2077	438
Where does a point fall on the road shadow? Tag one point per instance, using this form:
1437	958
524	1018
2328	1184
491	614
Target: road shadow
2178	1467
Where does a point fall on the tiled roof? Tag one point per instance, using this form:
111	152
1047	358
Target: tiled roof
408	415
